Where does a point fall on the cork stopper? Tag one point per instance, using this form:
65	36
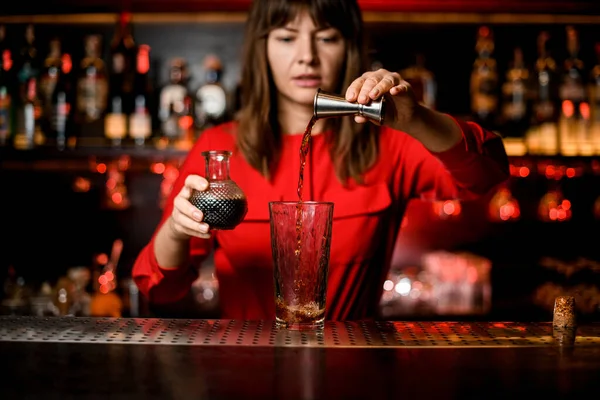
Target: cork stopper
564	336
564	312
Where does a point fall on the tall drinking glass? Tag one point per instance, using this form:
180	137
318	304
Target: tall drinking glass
300	242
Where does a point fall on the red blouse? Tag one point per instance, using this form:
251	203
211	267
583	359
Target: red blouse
366	217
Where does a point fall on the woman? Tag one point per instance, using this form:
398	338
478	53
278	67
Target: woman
292	48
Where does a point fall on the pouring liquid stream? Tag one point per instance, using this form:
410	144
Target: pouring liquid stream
304	149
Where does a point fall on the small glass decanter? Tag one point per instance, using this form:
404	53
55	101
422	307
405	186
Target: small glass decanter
223	204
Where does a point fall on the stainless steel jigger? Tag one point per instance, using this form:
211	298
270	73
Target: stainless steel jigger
328	105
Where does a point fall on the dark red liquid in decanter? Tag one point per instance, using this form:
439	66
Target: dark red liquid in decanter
223	204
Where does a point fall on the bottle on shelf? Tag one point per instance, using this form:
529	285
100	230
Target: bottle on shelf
140	120
5	111
211	102
422	81
48	79
594	96
574	110
6	88
115	122
29	133
92	90
515	105
185	124
16	294
123	52
484	80
29	62
542	135
172	98
63	296
62	100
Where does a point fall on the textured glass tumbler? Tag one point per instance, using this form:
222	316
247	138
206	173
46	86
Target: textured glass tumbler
300	243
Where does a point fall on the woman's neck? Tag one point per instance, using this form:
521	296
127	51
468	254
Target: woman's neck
294	119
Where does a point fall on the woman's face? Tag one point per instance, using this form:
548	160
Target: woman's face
303	58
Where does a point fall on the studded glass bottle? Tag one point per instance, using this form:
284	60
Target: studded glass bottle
224	204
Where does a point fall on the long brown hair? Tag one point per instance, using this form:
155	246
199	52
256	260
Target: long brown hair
353	147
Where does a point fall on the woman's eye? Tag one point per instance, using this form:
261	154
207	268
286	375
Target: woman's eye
285	39
329	39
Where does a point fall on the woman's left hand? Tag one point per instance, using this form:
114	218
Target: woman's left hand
401	103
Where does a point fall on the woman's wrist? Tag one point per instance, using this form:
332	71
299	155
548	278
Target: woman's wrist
171	248
438	132
172	233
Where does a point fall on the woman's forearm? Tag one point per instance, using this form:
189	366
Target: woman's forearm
436	131
171	252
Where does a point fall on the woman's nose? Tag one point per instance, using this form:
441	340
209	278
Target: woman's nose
307	52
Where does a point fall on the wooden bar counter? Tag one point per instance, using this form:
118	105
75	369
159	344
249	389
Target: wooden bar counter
103	358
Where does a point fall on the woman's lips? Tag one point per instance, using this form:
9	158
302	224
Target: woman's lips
307	81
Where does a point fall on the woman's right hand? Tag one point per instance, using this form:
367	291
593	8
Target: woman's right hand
186	219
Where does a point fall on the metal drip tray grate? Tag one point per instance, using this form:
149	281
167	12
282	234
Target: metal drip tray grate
258	333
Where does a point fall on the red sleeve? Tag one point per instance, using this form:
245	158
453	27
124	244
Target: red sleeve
160	285
471	168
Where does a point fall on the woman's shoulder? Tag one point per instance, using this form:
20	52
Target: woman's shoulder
222	136
224	131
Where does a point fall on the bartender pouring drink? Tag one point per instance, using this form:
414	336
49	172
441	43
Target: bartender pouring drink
369	172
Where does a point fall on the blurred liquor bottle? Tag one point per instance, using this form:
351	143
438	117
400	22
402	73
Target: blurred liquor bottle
211	102
515	114
574	110
186	129
542	136
48	80
28	131
594	96
115	122
173	98
140	121
29	62
123	52
422	81
6	89
484	80
62	124
92	90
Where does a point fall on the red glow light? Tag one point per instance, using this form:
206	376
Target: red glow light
111	183
143	59
524	172
568	108
186	122
584	110
66	63
102	259
6	60
171	173
448	208
117	198
158	168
